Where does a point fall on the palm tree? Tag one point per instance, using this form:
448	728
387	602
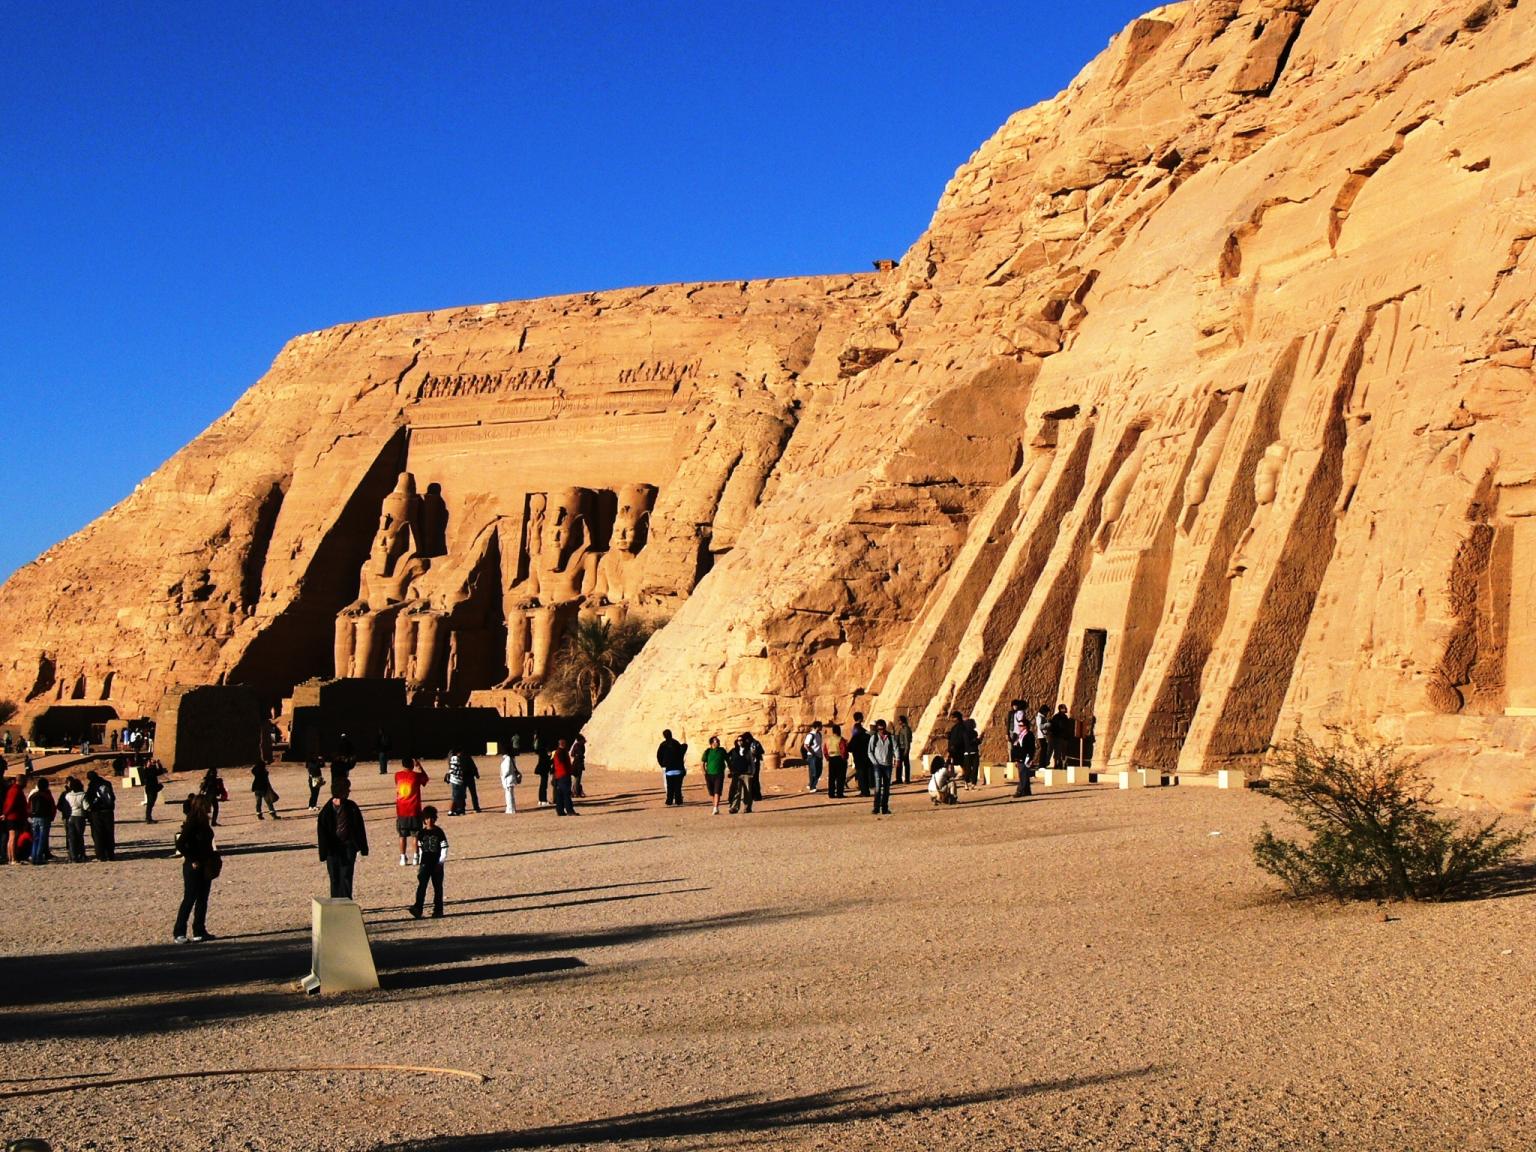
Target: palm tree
593	655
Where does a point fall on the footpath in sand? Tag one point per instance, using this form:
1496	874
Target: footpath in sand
1091	969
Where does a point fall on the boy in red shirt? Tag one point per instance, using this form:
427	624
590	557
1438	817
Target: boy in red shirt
408	784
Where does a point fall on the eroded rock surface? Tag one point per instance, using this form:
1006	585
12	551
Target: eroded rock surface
1203	405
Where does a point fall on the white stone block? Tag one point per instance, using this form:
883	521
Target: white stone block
340	959
1231	778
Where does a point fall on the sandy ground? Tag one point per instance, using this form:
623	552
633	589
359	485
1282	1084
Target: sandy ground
1091	969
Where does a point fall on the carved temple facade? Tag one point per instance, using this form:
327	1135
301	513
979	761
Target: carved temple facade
1205	405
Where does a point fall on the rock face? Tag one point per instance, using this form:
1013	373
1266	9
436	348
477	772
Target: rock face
1203	406
434	497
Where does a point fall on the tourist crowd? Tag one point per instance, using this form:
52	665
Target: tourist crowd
879	756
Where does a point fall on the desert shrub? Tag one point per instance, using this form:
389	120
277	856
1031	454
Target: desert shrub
1375	833
593	655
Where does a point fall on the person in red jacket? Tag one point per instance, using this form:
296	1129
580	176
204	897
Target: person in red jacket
14	815
564	773
408	784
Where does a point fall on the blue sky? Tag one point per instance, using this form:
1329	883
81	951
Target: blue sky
187	185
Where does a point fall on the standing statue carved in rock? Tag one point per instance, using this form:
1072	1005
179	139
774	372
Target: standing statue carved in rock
1266	486
1357	446
1118	494
1198	485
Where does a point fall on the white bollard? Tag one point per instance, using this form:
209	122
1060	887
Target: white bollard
340	959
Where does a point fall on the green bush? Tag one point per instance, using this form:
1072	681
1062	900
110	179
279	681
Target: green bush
593	656
1375	831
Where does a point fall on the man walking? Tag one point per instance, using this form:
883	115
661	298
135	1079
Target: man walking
672	756
882	761
341	838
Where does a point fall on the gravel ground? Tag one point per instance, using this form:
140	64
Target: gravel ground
1093	968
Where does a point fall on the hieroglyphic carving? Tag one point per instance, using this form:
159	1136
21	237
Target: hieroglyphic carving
662	371
484	384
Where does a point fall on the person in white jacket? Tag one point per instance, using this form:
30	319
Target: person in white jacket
509	778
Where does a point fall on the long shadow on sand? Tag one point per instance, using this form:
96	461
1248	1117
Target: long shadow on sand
1516	879
749	1113
626	897
169	987
566	848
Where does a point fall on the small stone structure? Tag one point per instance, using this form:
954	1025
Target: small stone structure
217	726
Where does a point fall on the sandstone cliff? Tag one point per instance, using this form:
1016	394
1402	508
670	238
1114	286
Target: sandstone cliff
237	558
1201	405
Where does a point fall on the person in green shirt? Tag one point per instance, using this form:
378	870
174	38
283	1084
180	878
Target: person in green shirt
714	770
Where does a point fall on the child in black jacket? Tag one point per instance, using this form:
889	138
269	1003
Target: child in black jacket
432	849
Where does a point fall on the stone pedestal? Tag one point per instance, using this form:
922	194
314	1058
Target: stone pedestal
340	958
1079	774
1231	778
1050	777
1141	778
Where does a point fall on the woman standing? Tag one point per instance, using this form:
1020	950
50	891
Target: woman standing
837	763
578	764
212	790
42	809
714	771
101	812
456	784
510	777
314	769
72	807
200	865
261	786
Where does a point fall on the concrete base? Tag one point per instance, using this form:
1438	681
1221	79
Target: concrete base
1051	777
1141	778
1231	778
340	959
1011	773
1079	774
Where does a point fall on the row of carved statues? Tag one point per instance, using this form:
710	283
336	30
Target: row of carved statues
434	620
